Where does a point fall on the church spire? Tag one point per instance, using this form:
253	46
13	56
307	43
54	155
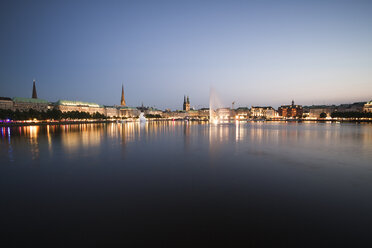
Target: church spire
122	102
34	94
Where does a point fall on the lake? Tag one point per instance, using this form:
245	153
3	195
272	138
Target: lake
186	184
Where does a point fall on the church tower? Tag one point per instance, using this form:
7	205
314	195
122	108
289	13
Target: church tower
122	102
34	94
186	103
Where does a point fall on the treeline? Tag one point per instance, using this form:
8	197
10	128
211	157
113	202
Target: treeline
47	115
351	115
153	116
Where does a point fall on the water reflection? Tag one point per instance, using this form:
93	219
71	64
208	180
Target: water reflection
302	141
267	179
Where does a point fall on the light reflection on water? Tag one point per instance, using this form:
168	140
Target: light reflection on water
130	182
309	140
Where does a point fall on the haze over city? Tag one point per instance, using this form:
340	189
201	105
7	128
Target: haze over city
253	53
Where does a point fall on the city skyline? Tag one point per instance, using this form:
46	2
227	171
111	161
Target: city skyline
257	53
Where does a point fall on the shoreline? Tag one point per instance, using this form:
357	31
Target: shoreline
42	123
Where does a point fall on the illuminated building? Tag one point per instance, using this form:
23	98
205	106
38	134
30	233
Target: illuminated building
203	113
242	113
125	111
91	108
291	110
110	111
264	112
224	113
152	111
368	107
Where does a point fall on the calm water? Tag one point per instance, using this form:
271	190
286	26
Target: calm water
179	184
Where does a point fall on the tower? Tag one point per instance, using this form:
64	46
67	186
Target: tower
34	94
122	102
186	103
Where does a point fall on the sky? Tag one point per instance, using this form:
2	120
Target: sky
250	52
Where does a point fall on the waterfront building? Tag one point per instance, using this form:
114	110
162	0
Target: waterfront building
25	104
111	111
353	107
152	111
242	113
291	110
193	113
122	102
315	111
186	103
175	114
271	113
203	113
6	103
368	107
91	108
128	112
263	112
224	113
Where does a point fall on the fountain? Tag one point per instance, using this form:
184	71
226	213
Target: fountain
217	112
142	118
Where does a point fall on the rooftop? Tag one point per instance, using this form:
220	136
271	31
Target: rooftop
5	98
126	107
78	103
29	100
319	106
264	107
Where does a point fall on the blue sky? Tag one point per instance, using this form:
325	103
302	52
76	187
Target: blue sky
251	52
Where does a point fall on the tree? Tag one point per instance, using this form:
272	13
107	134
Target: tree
323	115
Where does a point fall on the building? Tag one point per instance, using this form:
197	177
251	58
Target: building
122	102
224	113
203	113
152	111
291	111
34	94
175	114
353	107
368	107
111	111
6	103
67	106
25	104
242	113
128	112
263	112
186	103
271	113
315	111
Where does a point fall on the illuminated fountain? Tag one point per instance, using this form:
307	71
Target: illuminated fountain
217	112
142	118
